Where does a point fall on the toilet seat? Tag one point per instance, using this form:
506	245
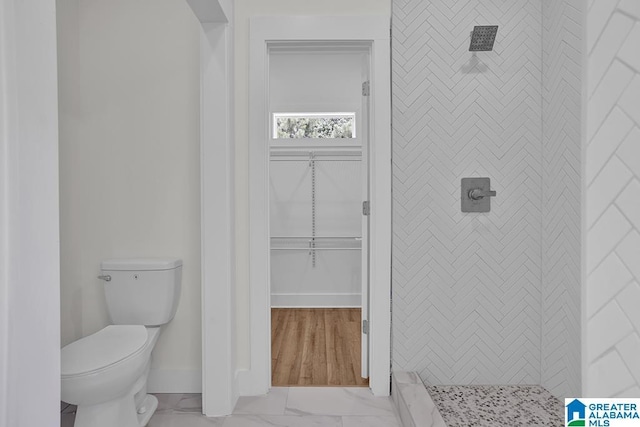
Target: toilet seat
102	350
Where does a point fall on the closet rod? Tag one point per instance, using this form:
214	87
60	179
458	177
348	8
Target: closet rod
315	159
317	237
316	249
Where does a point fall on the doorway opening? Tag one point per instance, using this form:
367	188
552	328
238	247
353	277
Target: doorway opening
318	138
272	36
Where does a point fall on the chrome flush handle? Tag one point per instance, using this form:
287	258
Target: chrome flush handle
477	194
106	278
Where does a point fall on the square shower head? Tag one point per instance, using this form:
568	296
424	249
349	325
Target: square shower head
482	38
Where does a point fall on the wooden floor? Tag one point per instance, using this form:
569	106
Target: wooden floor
316	347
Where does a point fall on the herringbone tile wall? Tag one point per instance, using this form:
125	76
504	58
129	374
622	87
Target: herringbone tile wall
561	189
613	199
467	286
469	305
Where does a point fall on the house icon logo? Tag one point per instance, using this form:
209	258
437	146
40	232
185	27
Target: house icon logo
576	413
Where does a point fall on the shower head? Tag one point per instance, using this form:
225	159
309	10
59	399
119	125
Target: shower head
482	37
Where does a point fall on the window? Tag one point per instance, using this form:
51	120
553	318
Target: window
314	125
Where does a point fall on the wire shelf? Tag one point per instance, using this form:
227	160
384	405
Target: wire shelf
307	243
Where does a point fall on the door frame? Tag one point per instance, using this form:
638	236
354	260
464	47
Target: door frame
371	29
217	198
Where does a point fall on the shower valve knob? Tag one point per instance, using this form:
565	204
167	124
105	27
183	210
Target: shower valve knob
477	194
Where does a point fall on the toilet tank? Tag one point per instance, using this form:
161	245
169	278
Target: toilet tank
143	291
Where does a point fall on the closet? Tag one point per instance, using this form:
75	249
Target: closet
318	181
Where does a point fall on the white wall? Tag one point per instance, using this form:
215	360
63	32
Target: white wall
467	286
245	9
29	239
130	161
561	202
612	346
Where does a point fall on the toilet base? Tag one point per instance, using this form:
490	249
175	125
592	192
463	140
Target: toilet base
119	412
150	404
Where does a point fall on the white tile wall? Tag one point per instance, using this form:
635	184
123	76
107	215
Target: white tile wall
613	242
602	336
611	375
561	187
632	7
614	175
613	84
608	232
487	298
606	140
611	271
614	34
467	287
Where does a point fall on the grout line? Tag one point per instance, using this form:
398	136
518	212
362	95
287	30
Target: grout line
623	187
597	40
610	299
542	191
627	389
615	151
615	104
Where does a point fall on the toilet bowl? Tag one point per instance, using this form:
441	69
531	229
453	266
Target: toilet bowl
105	374
102	374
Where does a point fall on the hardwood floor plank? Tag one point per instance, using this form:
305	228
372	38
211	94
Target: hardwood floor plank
319	362
316	347
297	343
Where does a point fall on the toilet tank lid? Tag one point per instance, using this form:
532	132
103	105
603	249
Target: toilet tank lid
141	264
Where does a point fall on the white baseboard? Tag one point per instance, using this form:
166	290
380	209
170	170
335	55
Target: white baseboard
315	300
175	381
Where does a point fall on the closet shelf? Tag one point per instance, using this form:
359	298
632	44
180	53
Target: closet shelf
315	249
306	243
319	154
318	237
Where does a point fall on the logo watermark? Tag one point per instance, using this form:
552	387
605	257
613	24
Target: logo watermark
602	412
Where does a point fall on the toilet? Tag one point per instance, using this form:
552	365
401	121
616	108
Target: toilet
105	374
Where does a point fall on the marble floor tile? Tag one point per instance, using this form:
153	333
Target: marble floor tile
336	401
418	406
282	421
273	403
360	421
179	402
184	419
307	407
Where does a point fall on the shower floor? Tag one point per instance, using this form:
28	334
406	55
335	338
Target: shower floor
497	406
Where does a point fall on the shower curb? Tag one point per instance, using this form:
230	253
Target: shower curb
413	402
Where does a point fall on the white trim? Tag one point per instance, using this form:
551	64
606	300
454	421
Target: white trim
218	376
371	29
29	215
175	381
380	225
290	300
256	380
5	27
208	11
